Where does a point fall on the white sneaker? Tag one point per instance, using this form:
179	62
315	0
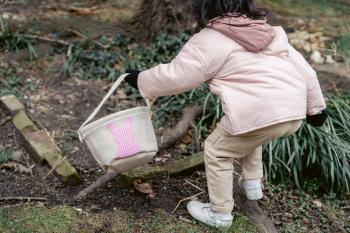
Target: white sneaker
253	189
203	213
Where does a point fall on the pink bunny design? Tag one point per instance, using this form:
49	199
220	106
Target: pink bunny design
125	138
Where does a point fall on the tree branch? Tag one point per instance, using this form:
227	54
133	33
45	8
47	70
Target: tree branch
97	184
182	127
23	199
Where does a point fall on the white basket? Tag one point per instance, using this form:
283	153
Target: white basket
123	140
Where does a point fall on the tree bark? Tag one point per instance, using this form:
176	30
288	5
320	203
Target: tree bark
173	16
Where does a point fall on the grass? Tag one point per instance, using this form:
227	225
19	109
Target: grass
64	219
36	219
322	153
12	39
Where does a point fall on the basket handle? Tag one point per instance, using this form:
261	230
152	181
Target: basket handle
97	109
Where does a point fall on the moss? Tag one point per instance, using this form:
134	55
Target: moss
174	167
5	156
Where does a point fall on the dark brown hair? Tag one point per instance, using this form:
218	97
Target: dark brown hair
205	10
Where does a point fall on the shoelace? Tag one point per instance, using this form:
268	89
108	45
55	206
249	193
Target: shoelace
211	216
210	213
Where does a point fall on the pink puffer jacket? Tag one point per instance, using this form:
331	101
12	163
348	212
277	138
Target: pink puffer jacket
260	78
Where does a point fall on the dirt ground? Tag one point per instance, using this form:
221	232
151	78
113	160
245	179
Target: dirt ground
60	104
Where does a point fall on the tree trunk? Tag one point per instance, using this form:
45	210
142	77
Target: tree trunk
173	16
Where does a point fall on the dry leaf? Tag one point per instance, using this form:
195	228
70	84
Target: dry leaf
182	146
144	188
158	160
187	139
317	203
167	155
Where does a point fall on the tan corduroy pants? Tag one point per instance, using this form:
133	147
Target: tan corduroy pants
221	149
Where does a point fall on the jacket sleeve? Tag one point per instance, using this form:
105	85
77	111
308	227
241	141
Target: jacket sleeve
315	99
187	71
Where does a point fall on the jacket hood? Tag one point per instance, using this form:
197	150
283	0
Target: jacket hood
253	35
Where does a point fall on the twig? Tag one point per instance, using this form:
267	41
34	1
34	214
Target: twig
90	39
4	121
98	183
185	199
188	182
57	164
167	214
180	219
29	166
46	39
23	199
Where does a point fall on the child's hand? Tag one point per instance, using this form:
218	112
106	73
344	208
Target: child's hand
132	77
318	119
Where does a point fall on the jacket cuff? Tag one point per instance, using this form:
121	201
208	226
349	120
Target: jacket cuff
141	86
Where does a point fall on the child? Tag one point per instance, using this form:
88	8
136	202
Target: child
266	88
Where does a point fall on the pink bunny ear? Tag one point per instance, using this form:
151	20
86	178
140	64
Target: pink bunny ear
125	138
128	123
